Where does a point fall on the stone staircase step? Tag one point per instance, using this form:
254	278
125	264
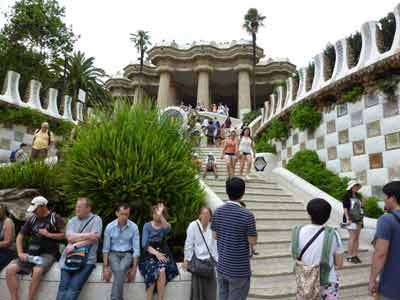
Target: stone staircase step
255	205
278	214
276	223
219	184
250	191
262	198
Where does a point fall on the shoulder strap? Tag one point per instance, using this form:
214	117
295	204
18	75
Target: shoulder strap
208	249
87	223
325	267
396	216
310	243
295	241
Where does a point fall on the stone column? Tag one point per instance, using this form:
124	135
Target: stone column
164	89
203	88
244	98
172	99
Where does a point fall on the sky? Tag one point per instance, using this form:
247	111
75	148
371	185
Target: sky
294	29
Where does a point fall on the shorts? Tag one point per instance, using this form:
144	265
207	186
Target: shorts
26	267
39	153
229	156
210	168
353	226
245	153
330	291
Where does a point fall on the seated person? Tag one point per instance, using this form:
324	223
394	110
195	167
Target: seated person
210	165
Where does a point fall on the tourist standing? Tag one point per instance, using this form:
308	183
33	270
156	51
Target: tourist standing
200	245
229	152
386	258
319	246
353	219
247	151
157	266
79	257
235	231
41	142
7	238
228	123
45	228
210	132
121	251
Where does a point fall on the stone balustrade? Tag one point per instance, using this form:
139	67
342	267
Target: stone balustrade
11	96
95	288
370	55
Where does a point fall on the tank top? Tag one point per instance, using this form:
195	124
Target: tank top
12	247
245	144
230	146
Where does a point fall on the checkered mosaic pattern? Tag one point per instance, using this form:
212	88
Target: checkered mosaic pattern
358	140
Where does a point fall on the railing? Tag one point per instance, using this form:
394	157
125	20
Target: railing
12	96
369	55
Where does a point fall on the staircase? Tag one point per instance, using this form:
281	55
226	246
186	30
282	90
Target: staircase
276	212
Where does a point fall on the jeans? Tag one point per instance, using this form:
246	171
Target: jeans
71	282
231	288
119	263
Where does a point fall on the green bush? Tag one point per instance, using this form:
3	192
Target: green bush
31	174
277	130
372	209
307	165
388	25
304	117
33	119
251	116
353	94
134	156
355	43
263	146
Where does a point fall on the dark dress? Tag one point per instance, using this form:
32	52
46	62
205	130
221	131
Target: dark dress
150	266
6	254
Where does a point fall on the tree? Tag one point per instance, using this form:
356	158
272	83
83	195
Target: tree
252	21
141	39
82	74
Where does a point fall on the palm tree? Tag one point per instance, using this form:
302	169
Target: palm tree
252	21
141	39
82	74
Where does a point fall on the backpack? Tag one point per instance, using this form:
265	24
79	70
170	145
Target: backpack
310	278
13	155
356	214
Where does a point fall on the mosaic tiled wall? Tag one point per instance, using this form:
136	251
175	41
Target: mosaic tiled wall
358	140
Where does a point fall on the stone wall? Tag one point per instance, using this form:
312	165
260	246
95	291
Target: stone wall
358	140
95	288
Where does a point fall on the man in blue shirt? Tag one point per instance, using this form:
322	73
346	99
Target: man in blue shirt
121	250
386	259
235	231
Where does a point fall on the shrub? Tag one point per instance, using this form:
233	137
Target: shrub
371	208
304	117
330	55
307	165
353	94
134	156
31	174
310	75
33	119
388	27
355	43
277	130
251	116
262	145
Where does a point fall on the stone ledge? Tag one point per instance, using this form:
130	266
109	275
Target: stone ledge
95	288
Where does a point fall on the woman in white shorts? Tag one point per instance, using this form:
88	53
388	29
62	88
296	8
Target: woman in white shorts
229	152
246	150
353	219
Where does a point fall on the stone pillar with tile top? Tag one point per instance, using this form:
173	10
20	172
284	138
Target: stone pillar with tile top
203	85
163	96
244	98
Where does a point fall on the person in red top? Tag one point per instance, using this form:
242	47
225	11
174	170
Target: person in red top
230	152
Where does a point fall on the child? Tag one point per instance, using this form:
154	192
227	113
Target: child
211	165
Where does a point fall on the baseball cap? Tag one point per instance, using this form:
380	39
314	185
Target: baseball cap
36	202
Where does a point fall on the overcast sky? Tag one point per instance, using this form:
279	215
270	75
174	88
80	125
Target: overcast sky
294	29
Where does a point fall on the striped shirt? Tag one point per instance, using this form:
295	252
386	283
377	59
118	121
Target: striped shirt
233	225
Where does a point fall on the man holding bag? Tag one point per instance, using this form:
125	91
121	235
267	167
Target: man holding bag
79	257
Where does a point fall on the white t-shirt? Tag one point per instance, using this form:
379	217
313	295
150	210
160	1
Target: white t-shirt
313	254
195	243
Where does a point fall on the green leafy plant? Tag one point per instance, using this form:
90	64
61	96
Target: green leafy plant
251	116
330	56
310	75
355	43
388	28
304	116
307	165
263	146
277	130
372	208
353	94
134	156
388	85
33	119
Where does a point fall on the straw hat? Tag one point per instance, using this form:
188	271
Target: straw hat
351	184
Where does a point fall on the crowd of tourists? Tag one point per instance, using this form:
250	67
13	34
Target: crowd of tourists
214	108
41	142
217	250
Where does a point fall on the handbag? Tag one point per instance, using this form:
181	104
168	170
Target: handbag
308	277
356	214
202	267
77	259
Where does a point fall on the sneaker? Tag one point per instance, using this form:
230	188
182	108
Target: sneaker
357	260
349	259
